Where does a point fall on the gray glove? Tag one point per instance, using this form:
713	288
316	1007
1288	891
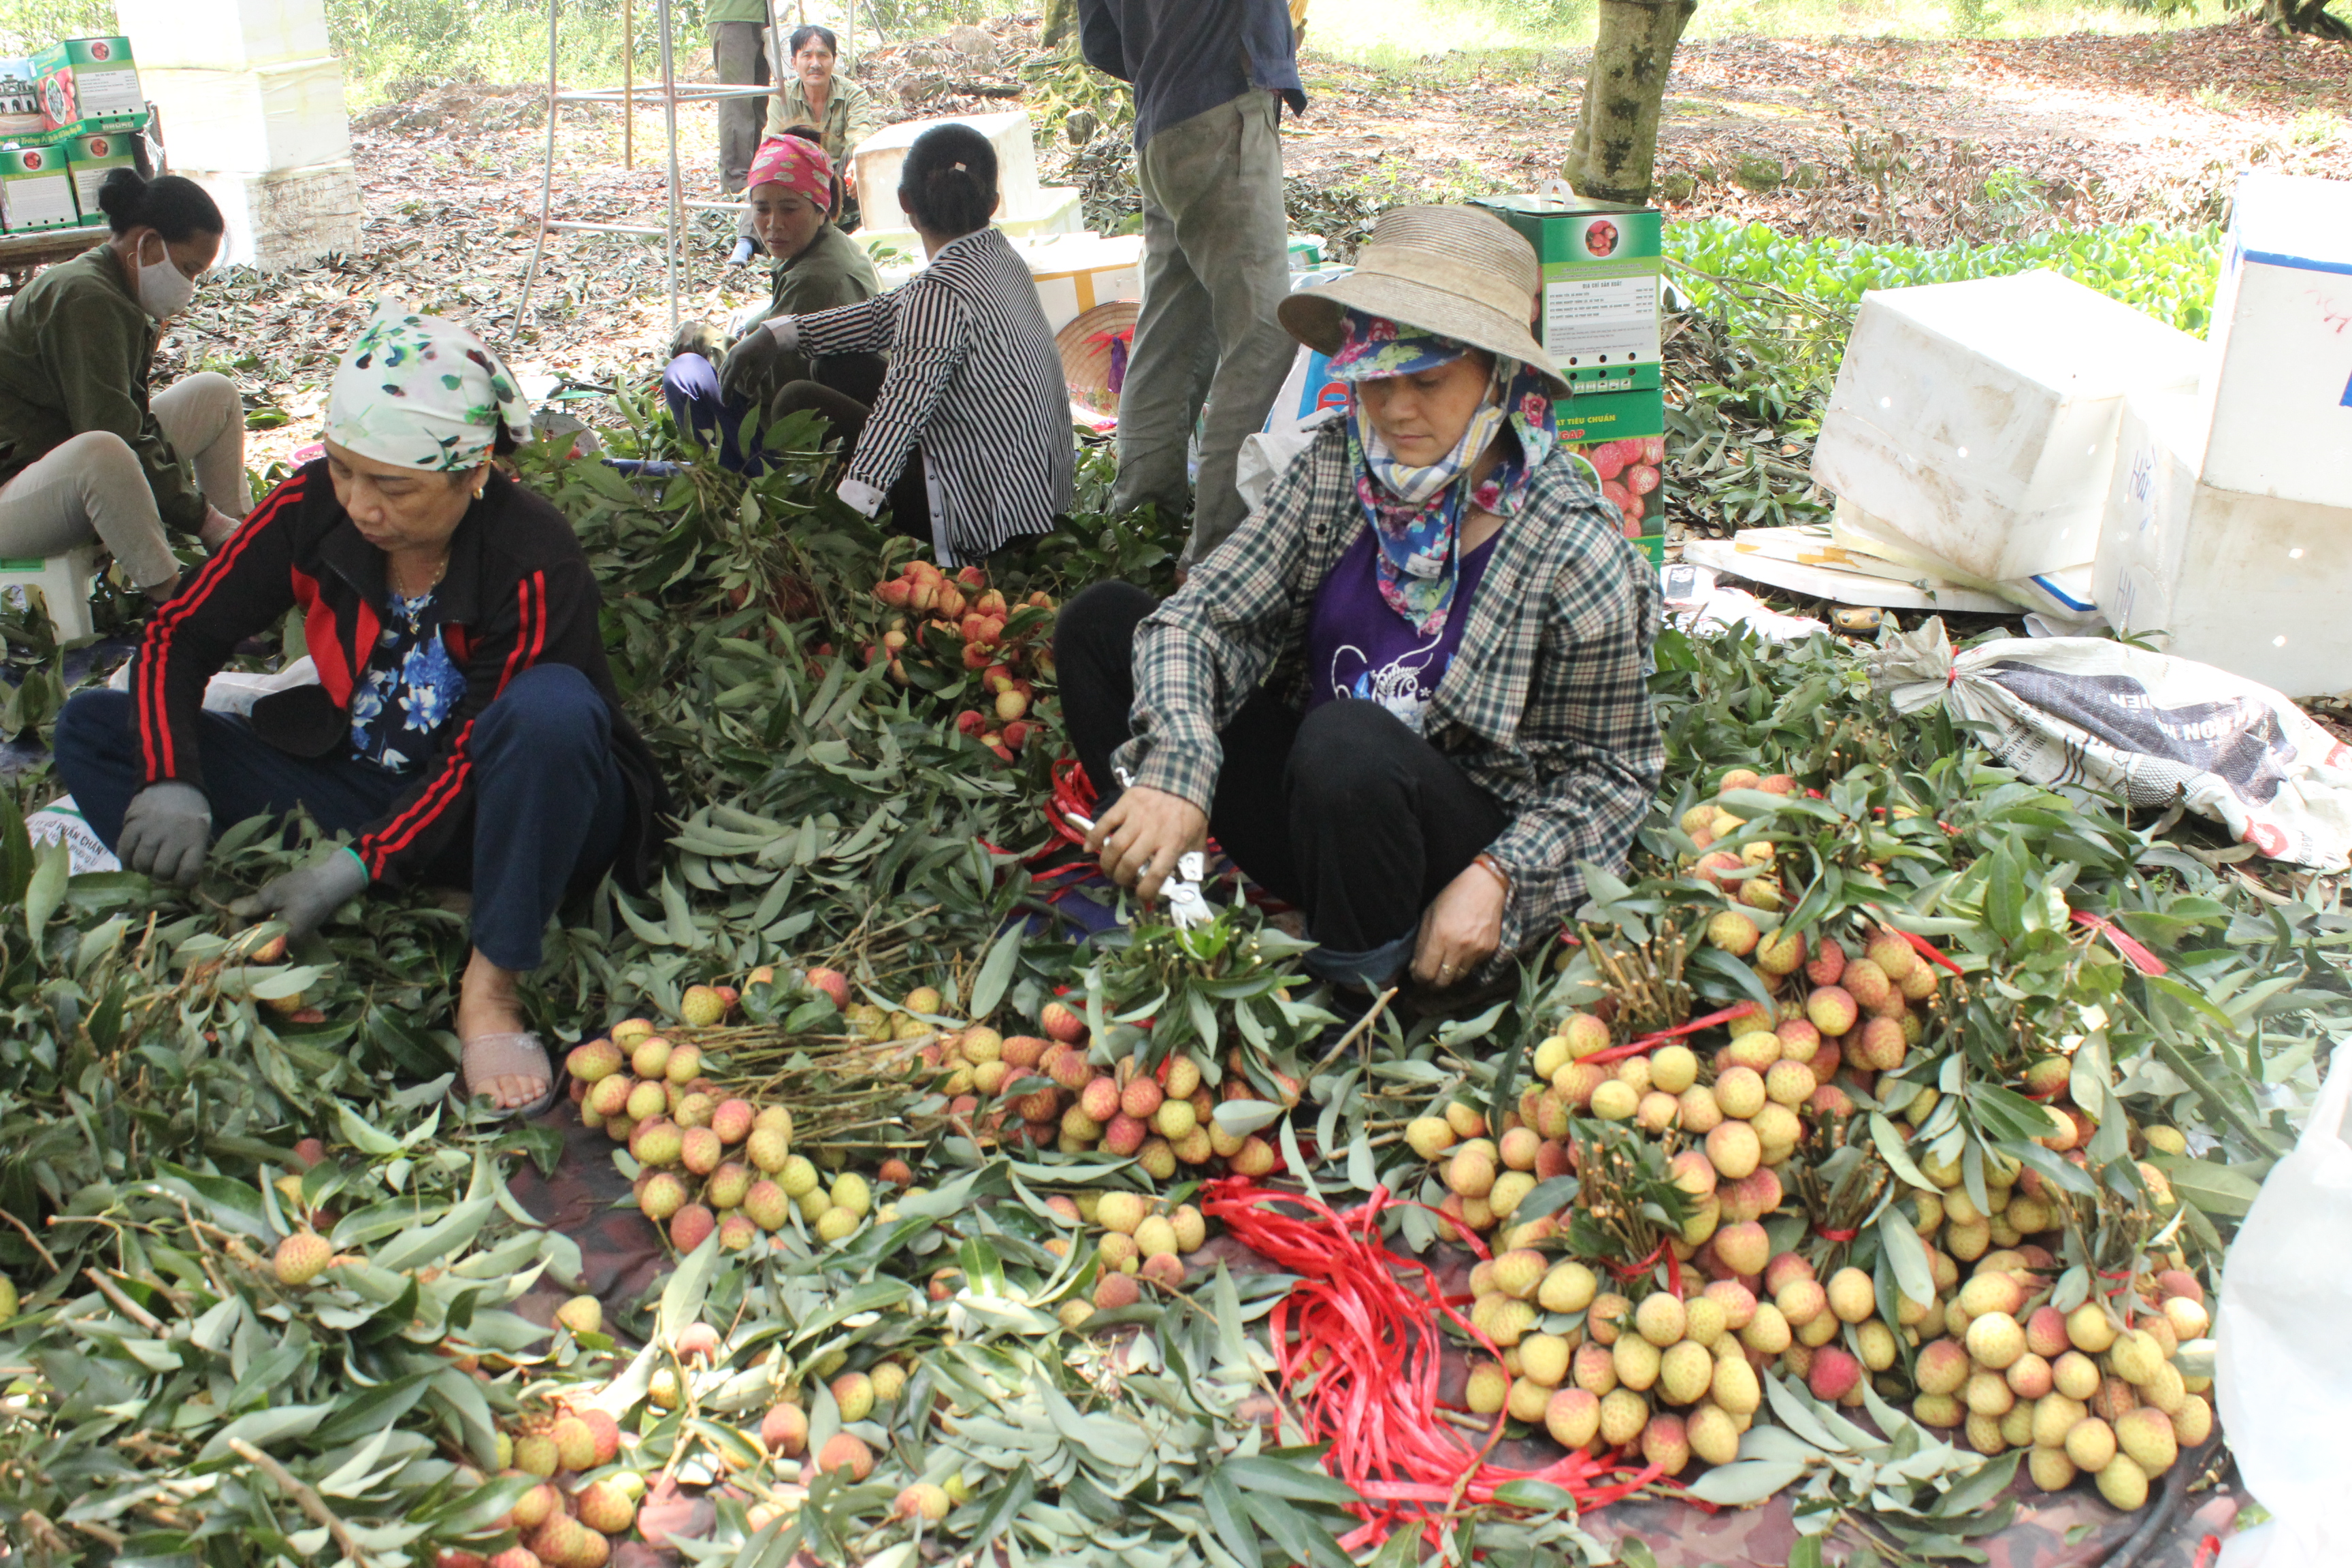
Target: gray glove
304	898
166	831
758	367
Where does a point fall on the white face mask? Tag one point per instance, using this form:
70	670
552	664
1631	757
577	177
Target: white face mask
164	289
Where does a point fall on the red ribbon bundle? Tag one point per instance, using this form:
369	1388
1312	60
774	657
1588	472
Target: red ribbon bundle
1357	1345
2141	957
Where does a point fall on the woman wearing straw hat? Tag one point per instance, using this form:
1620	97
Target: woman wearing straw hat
1410	695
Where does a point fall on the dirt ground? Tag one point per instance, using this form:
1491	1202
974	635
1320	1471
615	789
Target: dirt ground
1923	142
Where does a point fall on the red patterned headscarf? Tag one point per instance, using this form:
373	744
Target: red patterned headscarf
795	163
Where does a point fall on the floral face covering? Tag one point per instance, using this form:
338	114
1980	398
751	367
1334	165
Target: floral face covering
1416	512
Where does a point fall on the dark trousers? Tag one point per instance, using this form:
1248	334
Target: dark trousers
547	799
739	60
1344	811
715	417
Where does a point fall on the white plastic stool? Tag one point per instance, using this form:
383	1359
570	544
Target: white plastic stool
63	582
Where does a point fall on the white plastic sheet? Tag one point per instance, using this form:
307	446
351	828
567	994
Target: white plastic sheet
2283	1376
2149	727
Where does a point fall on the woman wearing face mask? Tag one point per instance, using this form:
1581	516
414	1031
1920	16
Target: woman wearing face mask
840	111
793	191
85	451
464	729
1410	696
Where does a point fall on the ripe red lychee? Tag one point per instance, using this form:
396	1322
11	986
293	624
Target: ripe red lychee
1835	1375
690	1226
784	1430
848	1453
1827	963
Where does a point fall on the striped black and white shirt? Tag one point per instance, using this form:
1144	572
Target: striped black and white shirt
975	377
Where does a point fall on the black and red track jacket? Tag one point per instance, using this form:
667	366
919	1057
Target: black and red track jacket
517	592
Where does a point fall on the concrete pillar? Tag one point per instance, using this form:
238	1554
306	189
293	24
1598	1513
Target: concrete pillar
252	108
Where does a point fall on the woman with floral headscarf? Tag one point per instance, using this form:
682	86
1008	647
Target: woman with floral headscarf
463	728
1410	696
793	190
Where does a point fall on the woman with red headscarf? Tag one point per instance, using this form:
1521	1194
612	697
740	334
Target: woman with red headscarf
793	194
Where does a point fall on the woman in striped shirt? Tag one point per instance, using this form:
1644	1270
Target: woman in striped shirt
969	441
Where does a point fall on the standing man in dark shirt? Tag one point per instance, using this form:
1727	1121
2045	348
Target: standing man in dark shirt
1210	78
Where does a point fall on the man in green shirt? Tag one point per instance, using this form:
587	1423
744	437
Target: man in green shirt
811	93
739	53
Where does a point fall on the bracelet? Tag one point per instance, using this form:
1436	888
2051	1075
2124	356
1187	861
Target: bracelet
1493	869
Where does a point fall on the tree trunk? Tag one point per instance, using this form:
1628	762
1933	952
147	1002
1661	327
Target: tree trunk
1061	22
1616	145
2310	16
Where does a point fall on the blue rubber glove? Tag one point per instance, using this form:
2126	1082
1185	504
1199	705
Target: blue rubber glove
167	830
304	898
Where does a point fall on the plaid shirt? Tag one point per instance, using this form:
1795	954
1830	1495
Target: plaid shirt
1546	707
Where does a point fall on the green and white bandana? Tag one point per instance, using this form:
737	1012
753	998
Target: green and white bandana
422	391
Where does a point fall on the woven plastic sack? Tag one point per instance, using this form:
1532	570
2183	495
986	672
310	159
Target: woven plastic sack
2283	1374
2146	727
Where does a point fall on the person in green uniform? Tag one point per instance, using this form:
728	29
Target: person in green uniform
86	451
840	111
794	194
739	54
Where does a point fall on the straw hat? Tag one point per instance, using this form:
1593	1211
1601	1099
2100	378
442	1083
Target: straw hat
1456	272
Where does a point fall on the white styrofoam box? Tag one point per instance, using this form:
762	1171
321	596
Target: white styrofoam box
286	217
2251	584
1075	272
1979	418
2278	406
221	35
880	156
1062	213
287	116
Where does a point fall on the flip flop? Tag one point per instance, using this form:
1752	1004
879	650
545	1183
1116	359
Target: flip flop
488	1056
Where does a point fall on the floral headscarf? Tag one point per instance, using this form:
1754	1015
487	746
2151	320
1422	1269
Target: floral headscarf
1416	512
794	162
423	392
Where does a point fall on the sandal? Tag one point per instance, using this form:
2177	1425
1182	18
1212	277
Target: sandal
489	1056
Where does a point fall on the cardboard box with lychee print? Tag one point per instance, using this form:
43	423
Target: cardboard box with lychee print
1598	318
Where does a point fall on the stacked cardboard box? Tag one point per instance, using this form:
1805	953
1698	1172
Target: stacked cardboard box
1601	263
67	115
253	105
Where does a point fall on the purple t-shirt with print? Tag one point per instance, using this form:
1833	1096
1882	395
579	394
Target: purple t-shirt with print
1357	647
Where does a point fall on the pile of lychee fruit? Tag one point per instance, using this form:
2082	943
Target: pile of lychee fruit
961	622
2095	1390
1144	1241
564	1521
708	1161
1751	876
1674	1375
1048	1092
1628	467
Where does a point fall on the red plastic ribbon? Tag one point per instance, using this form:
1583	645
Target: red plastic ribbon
2140	957
1358	1349
1630	1272
1839	1236
1667	1037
